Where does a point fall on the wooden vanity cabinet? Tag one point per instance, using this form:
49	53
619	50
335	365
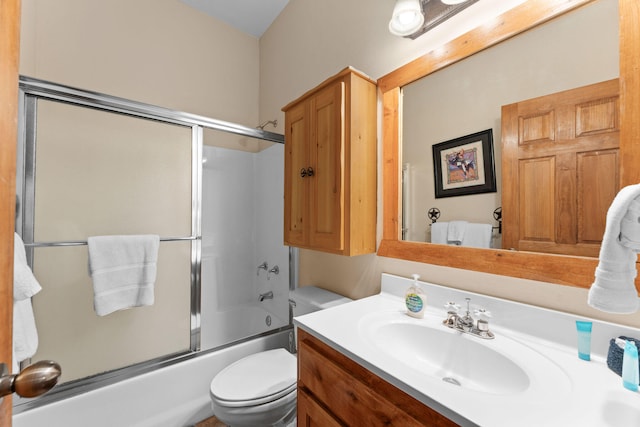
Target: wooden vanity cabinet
333	390
330	166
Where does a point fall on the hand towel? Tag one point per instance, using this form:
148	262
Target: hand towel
478	235
456	232
123	270
614	288
25	285
439	232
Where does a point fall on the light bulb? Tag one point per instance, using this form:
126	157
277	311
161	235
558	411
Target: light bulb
407	17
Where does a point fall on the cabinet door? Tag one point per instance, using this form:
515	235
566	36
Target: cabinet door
296	189
326	153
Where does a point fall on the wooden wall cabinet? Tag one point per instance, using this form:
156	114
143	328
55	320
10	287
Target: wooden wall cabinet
330	166
333	390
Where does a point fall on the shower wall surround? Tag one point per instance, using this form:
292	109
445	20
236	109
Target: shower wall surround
241	228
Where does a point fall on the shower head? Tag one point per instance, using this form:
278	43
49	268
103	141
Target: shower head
273	122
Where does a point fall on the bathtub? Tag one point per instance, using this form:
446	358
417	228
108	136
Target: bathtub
221	327
173	396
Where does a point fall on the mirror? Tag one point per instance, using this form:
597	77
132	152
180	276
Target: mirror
560	269
574	50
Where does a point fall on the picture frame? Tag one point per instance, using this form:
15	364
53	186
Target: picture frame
464	165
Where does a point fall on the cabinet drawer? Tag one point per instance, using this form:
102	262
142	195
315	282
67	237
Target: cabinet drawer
353	394
311	414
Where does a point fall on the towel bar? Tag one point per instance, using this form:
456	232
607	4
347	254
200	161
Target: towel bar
84	242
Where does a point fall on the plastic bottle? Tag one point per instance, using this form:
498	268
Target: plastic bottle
630	375
415	299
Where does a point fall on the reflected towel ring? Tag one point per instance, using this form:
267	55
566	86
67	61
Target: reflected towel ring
433	214
497	215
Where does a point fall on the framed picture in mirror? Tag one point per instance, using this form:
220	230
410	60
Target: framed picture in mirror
464	165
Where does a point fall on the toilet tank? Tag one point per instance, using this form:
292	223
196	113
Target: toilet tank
308	299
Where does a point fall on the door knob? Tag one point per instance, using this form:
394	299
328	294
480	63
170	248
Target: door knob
32	381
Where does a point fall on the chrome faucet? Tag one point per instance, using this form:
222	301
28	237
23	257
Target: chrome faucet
466	323
266	295
264	266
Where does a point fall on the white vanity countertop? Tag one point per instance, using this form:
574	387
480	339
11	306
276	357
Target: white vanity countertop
564	390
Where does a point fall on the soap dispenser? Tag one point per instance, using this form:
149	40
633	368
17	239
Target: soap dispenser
415	299
630	375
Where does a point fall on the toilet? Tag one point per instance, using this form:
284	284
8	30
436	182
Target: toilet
260	389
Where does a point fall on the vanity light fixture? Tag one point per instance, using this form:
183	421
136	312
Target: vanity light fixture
407	17
413	18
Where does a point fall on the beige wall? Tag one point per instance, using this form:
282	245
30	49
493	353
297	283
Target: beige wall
161	52
312	40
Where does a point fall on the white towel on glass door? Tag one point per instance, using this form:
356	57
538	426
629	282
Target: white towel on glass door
123	270
613	289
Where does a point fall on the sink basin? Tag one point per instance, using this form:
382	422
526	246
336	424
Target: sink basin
495	367
455	358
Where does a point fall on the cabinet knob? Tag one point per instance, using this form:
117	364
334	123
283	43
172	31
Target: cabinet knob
306	172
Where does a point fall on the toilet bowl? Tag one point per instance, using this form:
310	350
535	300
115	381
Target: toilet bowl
260	389
257	390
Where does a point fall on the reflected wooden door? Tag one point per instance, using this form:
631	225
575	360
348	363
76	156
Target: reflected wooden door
560	160
9	53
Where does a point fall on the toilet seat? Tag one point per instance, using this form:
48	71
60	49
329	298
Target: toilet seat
256	379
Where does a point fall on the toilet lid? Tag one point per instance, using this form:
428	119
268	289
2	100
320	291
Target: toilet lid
262	377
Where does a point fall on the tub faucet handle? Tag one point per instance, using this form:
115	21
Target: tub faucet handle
274	270
264	266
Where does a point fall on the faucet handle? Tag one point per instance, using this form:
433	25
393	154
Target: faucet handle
452	306
482	313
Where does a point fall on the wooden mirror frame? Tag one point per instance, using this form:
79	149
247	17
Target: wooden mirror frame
559	269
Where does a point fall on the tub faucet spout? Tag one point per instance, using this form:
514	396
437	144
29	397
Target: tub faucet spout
266	295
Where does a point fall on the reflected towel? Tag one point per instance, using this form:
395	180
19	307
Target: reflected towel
478	235
456	232
614	288
25	285
439	232
123	270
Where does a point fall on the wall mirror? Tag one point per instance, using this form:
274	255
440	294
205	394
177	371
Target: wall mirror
401	95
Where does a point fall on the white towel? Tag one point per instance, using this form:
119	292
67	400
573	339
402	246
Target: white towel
614	288
456	232
439	232
478	235
25	285
123	270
